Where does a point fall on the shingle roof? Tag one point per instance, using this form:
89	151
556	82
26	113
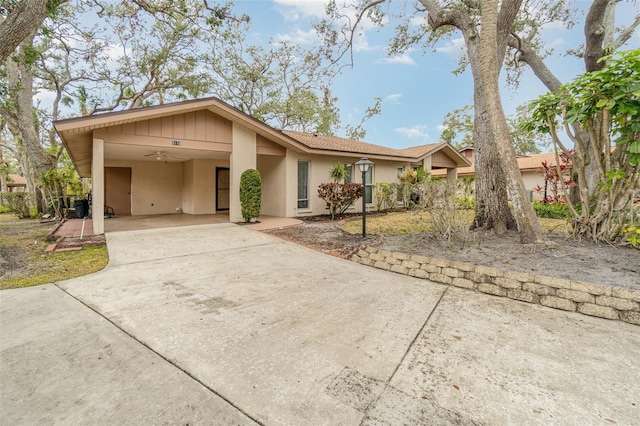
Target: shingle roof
16	180
335	143
525	163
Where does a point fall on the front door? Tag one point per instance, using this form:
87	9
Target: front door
117	189
222	188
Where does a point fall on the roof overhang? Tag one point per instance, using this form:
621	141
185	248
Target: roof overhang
77	134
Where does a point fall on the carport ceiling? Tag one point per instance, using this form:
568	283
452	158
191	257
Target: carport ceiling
139	153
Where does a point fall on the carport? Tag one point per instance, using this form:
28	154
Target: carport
178	158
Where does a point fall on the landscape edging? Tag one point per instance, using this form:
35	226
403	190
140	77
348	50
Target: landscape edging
598	300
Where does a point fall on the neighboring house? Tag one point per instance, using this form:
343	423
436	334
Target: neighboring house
188	157
529	168
16	183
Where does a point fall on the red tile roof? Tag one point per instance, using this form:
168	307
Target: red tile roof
525	163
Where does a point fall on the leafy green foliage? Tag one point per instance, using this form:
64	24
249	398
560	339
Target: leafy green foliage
17	203
411	189
465	202
601	111
458	122
551	210
632	235
250	194
386	195
339	196
613	92
459	126
338	172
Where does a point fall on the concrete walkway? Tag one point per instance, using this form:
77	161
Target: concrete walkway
76	228
220	324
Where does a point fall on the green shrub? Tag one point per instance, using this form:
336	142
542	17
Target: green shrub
632	235
4	209
551	210
250	194
465	202
386	195
17	203
338	172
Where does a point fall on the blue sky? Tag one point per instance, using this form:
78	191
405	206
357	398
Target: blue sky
418	88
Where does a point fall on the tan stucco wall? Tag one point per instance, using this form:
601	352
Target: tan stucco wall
199	186
531	180
273	173
243	157
383	171
188	187
97	182
156	187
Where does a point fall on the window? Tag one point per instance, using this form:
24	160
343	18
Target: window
303	184
349	177
399	192
368	186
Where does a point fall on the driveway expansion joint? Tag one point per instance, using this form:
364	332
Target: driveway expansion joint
168	360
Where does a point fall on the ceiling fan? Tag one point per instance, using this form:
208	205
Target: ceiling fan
161	155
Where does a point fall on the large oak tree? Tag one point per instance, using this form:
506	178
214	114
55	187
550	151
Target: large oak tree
498	180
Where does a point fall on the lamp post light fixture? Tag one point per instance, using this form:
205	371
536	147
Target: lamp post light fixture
364	164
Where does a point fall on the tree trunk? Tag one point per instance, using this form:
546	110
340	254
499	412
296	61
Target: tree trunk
3	181
20	79
22	20
492	207
489	69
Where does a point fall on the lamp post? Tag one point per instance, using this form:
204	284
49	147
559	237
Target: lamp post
364	164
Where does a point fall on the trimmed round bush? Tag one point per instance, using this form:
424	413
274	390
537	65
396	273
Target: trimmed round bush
250	194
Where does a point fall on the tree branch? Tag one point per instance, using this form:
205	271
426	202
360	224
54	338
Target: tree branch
22	20
626	34
539	68
594	33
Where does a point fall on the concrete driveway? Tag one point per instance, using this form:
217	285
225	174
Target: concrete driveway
220	324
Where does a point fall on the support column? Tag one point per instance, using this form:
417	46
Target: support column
97	186
452	178
426	164
243	157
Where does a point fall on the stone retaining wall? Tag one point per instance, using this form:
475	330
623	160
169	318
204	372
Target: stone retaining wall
617	303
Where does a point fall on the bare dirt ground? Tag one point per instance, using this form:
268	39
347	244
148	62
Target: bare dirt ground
576	260
19	239
580	261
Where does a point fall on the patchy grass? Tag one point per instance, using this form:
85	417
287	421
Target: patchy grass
418	222
23	262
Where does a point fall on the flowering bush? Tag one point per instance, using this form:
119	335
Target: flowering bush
339	196
556	179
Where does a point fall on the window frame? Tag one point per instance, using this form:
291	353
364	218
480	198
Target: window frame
307	200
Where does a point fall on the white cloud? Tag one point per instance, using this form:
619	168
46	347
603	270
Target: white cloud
419	131
45	96
403	58
455	47
555	43
555	26
293	10
361	44
299	37
115	52
441	127
393	99
418	20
